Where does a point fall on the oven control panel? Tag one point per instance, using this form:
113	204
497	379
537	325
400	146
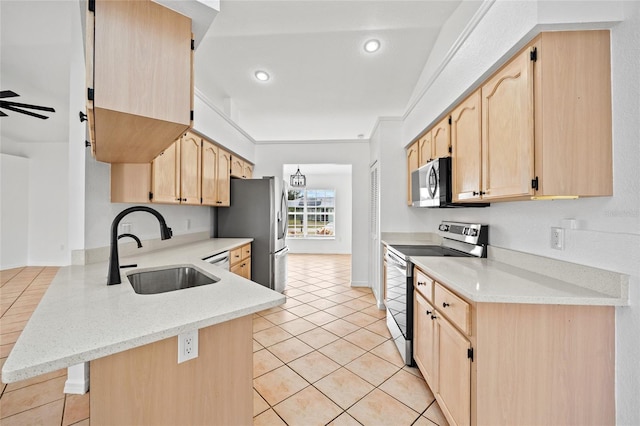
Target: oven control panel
473	233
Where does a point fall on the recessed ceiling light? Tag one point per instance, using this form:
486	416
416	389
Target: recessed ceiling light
262	75
371	46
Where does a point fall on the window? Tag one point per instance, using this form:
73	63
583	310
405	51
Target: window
311	213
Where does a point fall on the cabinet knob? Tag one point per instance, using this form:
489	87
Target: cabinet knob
445	304
421	283
476	193
428	312
433	317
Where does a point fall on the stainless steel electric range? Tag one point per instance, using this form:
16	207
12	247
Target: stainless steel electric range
458	240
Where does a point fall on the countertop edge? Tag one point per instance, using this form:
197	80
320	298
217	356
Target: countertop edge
87	356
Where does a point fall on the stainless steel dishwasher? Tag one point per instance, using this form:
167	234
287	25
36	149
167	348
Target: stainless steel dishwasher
221	260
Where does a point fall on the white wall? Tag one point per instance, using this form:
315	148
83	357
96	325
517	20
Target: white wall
47	238
609	227
99	212
271	157
14	208
212	122
341	181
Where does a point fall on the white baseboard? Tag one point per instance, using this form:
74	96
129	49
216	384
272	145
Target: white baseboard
360	284
77	379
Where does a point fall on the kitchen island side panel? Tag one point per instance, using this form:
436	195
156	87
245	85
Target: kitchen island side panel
146	385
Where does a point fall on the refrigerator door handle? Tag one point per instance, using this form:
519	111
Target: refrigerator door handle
282	252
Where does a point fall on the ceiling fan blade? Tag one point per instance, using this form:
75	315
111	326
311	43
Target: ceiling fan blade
5	104
2	114
21	111
8	94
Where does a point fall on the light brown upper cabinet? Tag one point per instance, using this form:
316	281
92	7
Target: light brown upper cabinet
507	130
139	79
165	176
412	164
215	175
425	149
191	171
546	120
441	139
466	143
241	168
247	170
176	174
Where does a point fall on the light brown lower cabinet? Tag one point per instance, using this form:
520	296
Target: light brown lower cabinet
516	364
146	385
241	261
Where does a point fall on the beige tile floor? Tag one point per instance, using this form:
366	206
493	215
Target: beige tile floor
324	357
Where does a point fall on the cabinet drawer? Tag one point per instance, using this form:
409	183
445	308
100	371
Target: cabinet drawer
236	255
453	307
246	251
423	284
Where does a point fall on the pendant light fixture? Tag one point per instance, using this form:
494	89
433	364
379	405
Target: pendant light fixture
298	179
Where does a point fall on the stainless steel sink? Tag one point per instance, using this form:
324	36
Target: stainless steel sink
168	279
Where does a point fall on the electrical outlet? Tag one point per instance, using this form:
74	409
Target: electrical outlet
187	346
557	238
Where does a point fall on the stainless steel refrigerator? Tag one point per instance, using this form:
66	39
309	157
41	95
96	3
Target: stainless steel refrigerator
259	210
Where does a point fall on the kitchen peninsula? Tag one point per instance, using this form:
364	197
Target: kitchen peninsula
130	340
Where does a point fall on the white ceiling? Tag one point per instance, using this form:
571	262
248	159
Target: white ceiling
35	51
323	86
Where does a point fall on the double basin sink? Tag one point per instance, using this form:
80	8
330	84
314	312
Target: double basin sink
168	279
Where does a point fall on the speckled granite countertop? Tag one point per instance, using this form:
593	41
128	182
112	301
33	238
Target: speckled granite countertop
509	276
485	280
80	318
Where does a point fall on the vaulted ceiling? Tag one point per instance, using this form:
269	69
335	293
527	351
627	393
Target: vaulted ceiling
323	85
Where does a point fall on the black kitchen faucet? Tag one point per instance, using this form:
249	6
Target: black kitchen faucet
114	262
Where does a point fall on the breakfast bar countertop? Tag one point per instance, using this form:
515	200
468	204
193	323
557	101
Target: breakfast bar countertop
80	318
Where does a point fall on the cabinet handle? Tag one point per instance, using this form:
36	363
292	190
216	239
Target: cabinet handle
219	202
433	317
177	199
428	312
476	193
445	304
421	283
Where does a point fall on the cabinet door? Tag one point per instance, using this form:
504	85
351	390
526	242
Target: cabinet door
237	166
247	171
165	175
412	164
466	144
190	169
142	69
223	185
424	338
209	173
246	268
454	373
424	149
441	139
507	130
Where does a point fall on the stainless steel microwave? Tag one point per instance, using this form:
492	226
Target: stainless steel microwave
431	186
